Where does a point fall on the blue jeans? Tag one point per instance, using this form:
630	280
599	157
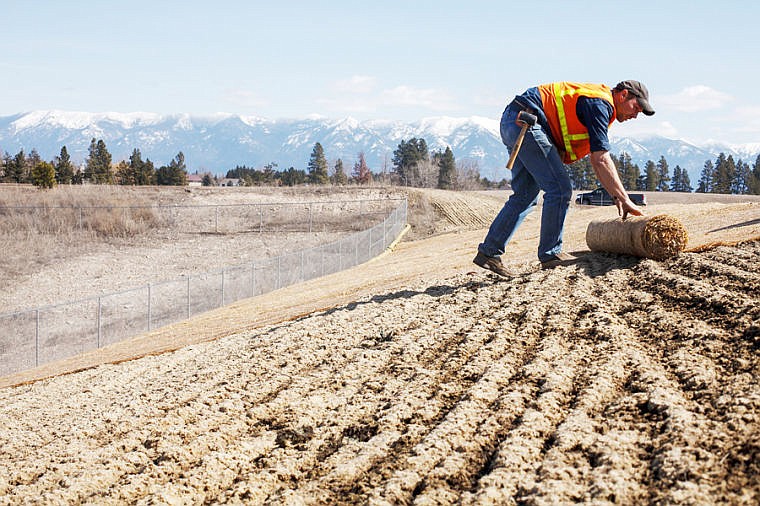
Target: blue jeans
538	167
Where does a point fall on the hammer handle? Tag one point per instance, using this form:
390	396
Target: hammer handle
518	143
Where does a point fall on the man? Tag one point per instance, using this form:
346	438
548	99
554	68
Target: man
573	120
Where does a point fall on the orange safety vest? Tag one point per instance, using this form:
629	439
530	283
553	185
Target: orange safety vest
559	101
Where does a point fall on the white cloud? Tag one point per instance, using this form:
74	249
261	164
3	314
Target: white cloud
640	128
356	84
493	100
428	98
694	99
747	121
358	95
243	98
351	105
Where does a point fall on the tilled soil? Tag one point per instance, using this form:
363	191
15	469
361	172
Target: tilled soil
613	380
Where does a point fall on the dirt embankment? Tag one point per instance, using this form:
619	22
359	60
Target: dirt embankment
614	380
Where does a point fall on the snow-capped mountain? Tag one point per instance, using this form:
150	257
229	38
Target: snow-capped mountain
220	142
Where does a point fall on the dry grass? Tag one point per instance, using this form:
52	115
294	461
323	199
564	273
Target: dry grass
38	228
106	213
45	234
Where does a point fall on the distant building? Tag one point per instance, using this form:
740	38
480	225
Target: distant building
194	180
229	182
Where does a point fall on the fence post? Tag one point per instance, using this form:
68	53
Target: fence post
223	271
149	308
253	279
310	217
37	341
216	220
261	219
100	311
188	297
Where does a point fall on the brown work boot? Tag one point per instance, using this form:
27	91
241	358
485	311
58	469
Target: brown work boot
493	264
558	260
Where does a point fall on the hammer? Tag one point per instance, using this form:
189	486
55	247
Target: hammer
526	120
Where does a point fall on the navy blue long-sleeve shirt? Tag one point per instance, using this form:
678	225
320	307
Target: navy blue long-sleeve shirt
593	113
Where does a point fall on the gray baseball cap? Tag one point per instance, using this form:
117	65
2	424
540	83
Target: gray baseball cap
638	90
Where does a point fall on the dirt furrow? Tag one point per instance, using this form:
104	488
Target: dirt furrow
439	381
711	365
702	299
532	403
341	422
720	271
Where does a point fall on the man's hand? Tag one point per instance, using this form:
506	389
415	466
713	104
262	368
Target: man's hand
626	207
605	171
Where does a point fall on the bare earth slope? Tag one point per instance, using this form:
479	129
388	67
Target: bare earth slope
614	380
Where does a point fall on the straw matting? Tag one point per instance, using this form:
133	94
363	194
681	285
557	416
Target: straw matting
657	237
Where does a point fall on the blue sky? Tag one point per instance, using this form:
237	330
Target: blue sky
391	59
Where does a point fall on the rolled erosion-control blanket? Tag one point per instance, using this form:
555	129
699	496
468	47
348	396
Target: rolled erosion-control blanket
657	237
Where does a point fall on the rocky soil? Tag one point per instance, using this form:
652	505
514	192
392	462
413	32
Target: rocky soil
615	380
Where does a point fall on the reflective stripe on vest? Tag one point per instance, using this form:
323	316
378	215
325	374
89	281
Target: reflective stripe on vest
572	134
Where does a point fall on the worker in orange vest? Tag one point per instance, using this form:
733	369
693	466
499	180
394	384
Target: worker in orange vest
572	121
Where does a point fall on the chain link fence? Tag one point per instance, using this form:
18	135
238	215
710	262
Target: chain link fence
36	336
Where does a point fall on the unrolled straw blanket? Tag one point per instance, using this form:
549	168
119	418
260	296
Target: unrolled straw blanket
657	237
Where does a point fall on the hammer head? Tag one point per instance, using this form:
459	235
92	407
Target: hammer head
526	118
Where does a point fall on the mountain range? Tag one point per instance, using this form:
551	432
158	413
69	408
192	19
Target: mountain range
221	142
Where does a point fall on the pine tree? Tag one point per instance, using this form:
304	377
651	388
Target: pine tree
740	185
685	181
628	171
339	174
318	166
680	181
179	169
43	175
135	165
64	169
725	172
675	182
146	175
663	175
293	177
98	165
173	174
447	173
361	173
753	184
706	178
16	169
406	160
651	176
4	165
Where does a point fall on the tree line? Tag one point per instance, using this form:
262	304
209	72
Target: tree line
98	169
723	176
413	164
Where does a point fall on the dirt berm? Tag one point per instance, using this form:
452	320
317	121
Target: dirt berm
418	378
